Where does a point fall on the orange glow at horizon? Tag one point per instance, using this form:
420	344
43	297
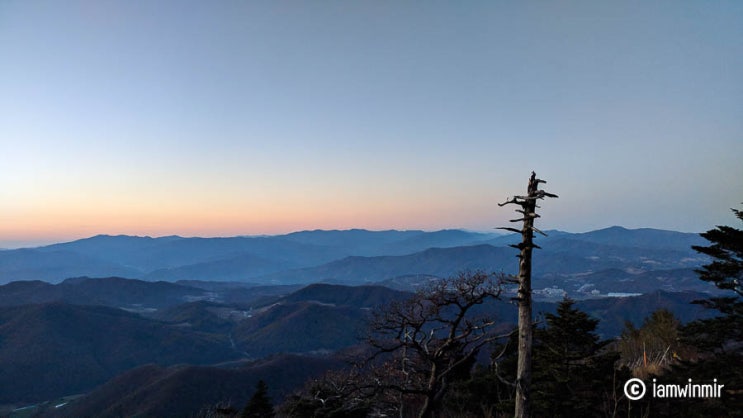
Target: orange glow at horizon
65	220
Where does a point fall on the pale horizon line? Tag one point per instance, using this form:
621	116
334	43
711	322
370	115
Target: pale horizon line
16	244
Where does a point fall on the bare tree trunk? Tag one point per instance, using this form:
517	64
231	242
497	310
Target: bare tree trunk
528	205
428	404
523	371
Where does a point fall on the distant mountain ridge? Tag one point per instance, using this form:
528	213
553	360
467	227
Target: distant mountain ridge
351	256
112	291
233	258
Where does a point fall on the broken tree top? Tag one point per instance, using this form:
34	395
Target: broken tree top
528	205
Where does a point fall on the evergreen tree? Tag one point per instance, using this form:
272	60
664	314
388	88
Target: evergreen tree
574	374
726	269
259	405
569	371
719	340
726	272
723	334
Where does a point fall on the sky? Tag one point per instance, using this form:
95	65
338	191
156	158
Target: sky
233	118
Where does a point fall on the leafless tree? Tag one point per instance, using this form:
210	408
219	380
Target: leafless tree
426	341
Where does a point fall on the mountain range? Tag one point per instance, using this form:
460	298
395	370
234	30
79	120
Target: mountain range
75	348
351	257
141	326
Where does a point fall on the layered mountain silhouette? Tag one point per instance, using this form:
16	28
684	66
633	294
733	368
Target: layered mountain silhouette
145	326
75	348
347	257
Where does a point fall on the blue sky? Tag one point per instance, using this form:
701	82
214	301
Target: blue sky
228	118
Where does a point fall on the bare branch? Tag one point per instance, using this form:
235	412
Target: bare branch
545	194
440	337
514	200
534	228
529	214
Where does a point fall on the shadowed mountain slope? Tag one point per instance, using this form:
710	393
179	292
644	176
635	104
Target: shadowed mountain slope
357	296
614	312
73	348
300	327
51	350
182	391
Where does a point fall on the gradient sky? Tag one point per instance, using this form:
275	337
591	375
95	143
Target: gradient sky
234	117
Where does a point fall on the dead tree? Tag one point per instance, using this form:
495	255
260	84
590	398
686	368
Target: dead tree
528	205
